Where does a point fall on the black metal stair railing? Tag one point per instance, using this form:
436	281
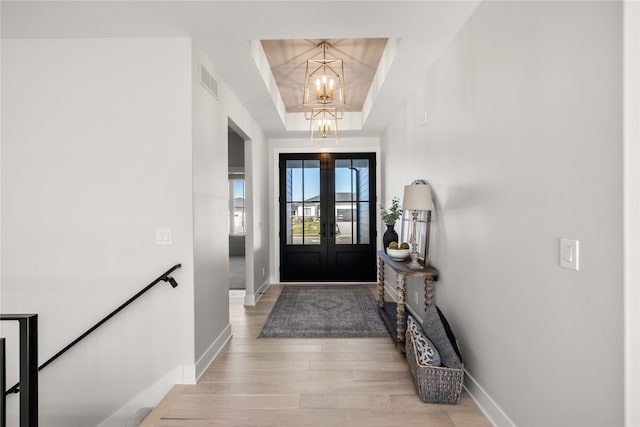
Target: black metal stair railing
3	384
28	324
28	384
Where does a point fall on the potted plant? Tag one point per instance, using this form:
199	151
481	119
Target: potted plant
389	217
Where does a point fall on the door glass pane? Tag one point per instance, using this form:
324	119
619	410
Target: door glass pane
363	232
294	180
345	221
236	207
302	194
312	223
290	218
352	201
362	176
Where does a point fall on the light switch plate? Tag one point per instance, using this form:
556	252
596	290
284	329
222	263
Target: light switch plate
569	254
163	236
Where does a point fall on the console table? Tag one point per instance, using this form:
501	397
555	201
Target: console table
393	314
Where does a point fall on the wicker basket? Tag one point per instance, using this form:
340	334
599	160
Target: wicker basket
435	384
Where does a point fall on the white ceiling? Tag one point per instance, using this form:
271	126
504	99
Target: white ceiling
418	31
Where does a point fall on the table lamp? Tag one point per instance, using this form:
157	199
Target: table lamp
416	198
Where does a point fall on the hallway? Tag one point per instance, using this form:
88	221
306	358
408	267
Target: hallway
304	382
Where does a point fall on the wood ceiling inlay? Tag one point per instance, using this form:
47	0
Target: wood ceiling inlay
288	58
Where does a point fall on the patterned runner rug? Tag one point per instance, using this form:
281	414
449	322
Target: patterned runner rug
324	312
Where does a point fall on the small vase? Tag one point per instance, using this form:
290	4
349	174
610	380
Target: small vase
389	236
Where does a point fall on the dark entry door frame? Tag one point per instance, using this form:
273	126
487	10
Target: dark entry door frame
327	216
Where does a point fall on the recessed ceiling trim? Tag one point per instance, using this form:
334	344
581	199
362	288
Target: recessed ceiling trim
386	61
262	63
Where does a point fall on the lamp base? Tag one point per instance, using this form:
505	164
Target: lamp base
415	264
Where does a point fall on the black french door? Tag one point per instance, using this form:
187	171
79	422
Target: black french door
327	217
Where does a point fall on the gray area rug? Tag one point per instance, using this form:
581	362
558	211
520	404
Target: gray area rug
324	312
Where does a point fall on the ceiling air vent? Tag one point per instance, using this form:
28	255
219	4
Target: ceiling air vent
209	83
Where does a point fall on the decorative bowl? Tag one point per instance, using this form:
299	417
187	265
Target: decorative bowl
398	254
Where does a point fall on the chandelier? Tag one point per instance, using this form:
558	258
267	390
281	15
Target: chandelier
324	83
323	98
324	126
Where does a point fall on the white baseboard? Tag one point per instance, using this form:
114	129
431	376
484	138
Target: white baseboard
181	374
487	405
251	300
146	399
212	352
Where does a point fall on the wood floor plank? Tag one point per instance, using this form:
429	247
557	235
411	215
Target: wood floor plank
314	418
275	376
353	365
356	347
358	356
346	401
208	406
167	402
381	375
272	365
291	387
305	382
280	348
468	418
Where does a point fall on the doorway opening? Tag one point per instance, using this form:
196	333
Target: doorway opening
327	217
237	211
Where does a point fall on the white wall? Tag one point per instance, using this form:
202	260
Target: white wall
211	227
211	194
95	159
257	252
229	111
632	210
96	155
523	146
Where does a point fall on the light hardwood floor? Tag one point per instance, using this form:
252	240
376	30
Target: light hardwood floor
305	382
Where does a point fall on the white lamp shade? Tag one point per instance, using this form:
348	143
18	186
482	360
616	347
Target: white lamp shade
417	197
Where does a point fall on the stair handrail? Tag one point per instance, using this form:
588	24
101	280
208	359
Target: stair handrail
164	277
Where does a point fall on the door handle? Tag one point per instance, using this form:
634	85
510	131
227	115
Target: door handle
323	230
332	233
